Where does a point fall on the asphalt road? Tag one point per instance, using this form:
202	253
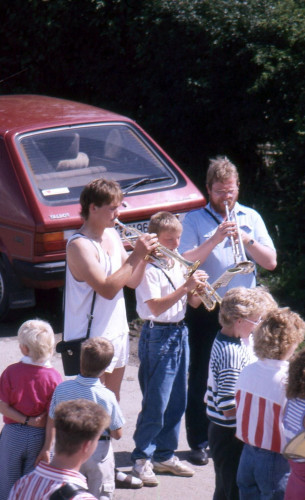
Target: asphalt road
199	487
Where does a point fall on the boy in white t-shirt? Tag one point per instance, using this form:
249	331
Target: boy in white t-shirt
164	356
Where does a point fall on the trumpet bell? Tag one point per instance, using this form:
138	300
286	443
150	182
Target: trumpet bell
246	267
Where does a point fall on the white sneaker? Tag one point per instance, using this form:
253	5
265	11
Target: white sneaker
174	466
143	470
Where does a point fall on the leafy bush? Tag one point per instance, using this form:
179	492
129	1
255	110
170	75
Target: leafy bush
205	77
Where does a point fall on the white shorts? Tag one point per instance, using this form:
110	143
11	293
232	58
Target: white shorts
121	352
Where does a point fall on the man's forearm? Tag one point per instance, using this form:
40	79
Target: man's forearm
262	255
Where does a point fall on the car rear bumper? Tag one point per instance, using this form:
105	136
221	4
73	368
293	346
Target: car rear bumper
40	275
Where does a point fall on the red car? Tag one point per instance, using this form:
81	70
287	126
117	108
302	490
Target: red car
49	150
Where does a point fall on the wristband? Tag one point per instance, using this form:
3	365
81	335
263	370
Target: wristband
27	420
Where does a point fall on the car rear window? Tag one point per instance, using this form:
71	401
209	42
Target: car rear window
60	162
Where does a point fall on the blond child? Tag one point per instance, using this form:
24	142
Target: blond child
239	314
26	390
267	303
260	396
164	357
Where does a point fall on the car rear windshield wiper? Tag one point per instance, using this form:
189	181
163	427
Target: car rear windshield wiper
142	182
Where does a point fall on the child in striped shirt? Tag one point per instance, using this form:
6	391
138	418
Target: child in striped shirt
260	397
239	313
294	423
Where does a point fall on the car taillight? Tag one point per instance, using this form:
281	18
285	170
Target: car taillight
49	242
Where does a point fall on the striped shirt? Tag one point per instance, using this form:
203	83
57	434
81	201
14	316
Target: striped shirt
44	480
228	357
92	389
260	398
294	417
294	420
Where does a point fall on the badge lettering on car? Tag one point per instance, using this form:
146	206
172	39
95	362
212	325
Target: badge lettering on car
60	216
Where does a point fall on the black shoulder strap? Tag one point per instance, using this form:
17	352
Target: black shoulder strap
64	302
169	279
90	316
212	215
67	491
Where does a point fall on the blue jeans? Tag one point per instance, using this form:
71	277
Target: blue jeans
262	474
164	359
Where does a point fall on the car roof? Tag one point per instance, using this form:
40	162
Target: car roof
21	113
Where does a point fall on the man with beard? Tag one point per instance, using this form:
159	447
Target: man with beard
207	236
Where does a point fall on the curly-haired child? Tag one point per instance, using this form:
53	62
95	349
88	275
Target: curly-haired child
239	314
26	390
294	423
260	396
267	303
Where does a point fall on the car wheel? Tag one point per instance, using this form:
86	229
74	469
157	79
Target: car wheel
4	299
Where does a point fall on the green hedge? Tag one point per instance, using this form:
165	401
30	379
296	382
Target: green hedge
203	77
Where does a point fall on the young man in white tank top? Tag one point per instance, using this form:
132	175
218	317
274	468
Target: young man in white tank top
97	261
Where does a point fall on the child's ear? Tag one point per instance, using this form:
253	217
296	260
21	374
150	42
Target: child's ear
24	349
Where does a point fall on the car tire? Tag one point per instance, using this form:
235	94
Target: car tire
4	294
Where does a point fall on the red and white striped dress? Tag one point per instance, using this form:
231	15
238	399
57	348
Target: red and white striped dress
260	401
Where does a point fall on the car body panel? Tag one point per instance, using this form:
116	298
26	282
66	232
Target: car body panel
49	149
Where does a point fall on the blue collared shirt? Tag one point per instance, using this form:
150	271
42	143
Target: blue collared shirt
199	226
92	389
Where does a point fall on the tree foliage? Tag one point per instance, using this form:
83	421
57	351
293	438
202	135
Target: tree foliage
205	77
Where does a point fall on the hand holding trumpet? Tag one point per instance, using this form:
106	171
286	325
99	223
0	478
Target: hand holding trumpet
203	290
226	229
197	282
146	244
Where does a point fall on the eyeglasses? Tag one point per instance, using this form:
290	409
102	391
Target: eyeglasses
231	192
255	323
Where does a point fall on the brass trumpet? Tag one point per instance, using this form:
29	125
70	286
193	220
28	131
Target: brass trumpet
243	265
208	296
163	263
